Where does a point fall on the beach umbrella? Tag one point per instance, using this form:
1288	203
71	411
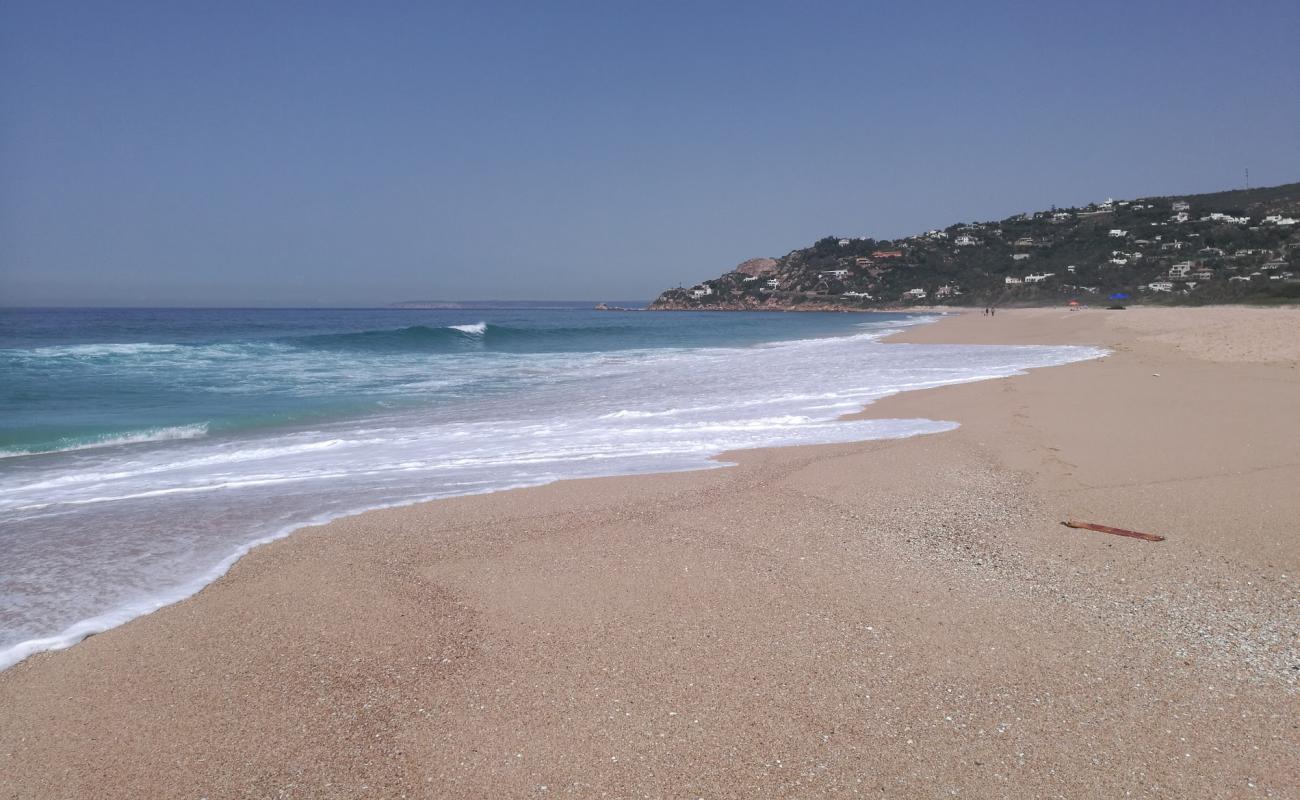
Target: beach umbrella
1074	302
1119	296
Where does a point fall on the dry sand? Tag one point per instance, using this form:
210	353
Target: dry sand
889	619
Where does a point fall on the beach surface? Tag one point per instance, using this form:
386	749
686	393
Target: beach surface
904	618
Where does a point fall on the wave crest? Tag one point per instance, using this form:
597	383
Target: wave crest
69	444
100	350
415	337
477	329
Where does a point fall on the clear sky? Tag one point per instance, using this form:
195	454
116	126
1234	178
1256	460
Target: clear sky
284	153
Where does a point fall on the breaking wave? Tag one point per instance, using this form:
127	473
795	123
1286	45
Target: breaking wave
315	415
69	444
477	329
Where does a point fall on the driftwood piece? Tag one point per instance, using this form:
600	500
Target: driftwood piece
1146	537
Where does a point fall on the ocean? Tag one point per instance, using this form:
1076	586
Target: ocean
143	451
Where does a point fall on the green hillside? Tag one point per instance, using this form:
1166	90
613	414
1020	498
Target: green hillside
1239	246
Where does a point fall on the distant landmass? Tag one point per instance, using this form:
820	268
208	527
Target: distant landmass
517	305
1240	246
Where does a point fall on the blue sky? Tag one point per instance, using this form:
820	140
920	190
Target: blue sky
357	153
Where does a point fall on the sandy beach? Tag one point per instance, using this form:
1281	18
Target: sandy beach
902	618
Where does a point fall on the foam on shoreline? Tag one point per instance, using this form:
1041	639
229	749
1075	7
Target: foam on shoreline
654	412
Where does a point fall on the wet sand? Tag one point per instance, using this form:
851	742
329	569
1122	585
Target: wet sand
892	619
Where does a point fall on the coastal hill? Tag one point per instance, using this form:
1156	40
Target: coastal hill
1223	247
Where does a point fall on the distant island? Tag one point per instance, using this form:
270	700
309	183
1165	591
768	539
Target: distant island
1238	246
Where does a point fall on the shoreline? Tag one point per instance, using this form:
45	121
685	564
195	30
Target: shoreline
120	615
815	575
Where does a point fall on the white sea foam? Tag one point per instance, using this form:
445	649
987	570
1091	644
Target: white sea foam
106	349
477	329
631	414
95	538
111	440
128	611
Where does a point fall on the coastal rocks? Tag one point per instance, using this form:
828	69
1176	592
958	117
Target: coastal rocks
756	266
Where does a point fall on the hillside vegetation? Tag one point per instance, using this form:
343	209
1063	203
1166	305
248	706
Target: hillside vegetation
1224	247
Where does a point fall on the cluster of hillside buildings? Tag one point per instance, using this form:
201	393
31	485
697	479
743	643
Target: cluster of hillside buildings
1190	273
1212	262
853	280
1031	278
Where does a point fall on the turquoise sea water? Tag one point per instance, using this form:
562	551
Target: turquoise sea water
142	451
77	378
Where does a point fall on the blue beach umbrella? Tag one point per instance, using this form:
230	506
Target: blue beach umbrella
1119	296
